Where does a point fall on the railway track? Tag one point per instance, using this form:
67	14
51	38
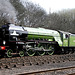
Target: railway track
56	71
62	68
38	65
8	63
71	74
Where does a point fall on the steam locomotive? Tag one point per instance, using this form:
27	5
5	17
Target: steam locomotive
34	41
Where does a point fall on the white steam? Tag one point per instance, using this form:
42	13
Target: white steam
7	11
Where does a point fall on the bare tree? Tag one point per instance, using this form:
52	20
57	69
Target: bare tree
29	14
63	20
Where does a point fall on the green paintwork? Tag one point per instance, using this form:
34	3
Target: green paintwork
65	42
50	35
42	33
9	53
31	36
41	53
51	50
71	41
30	52
21	53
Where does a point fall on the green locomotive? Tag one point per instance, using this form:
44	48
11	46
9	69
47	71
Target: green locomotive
34	41
57	41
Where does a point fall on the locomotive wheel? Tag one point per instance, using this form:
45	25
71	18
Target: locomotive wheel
41	53
21	53
9	53
30	52
51	50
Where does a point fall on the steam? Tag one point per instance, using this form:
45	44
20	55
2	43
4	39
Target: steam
7	12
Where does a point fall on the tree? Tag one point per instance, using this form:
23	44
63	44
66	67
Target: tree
29	14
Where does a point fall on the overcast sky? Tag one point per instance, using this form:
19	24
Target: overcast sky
55	5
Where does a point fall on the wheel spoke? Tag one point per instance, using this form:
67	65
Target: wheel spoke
30	52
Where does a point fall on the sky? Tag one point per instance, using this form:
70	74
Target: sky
55	5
